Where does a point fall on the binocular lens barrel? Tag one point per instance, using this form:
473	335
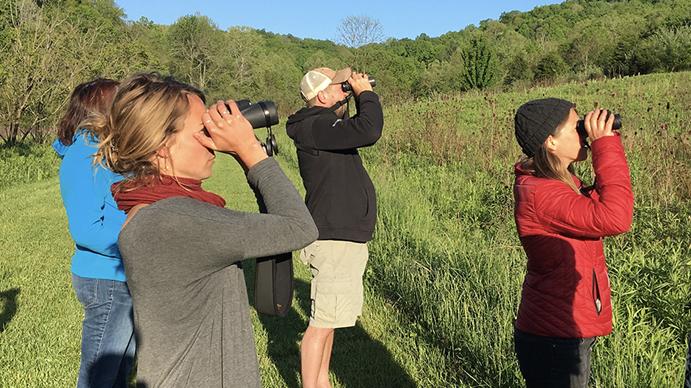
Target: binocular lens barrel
261	114
616	125
345	86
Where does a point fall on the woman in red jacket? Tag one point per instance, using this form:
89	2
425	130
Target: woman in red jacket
565	302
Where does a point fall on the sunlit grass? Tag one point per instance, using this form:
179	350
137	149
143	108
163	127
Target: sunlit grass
41	318
446	267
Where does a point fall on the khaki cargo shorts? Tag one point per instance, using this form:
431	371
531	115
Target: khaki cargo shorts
336	291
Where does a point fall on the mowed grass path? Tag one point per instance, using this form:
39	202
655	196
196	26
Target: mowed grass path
40	318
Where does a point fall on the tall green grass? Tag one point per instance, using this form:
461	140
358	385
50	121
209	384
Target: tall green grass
28	162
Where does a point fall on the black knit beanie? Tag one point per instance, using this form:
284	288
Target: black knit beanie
536	120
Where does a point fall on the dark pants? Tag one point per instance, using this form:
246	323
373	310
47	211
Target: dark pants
687	378
553	362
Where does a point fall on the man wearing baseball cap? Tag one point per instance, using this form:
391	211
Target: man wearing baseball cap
341	198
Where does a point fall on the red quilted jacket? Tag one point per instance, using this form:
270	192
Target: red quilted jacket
566	292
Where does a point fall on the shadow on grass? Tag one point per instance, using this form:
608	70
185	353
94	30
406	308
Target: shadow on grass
9	302
357	360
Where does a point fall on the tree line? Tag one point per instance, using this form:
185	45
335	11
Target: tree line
49	46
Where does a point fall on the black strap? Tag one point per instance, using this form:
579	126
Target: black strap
341	103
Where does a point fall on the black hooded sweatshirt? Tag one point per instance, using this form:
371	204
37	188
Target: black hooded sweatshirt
340	194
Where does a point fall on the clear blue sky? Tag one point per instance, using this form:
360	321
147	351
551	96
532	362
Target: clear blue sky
320	20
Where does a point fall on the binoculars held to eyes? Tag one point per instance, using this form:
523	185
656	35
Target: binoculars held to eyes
261	114
345	86
580	127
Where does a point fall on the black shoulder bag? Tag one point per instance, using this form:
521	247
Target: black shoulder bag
273	284
273	279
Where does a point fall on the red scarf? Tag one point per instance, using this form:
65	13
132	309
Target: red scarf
158	189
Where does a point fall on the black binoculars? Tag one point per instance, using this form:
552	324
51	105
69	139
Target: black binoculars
345	86
261	114
581	124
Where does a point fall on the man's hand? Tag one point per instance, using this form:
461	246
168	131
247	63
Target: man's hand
359	82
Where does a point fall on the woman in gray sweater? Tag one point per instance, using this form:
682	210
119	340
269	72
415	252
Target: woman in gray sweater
180	246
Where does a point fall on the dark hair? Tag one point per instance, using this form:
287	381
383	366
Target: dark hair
86	98
547	165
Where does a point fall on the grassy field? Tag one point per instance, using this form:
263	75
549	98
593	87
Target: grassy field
446	266
40	318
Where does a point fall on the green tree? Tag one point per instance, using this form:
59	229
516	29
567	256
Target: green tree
479	64
395	74
245	48
320	58
440	77
550	67
40	63
196	50
423	49
518	70
151	44
278	79
114	52
669	49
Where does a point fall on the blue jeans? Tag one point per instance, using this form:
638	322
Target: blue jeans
108	342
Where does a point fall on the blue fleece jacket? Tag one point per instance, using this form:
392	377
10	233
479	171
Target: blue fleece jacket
93	217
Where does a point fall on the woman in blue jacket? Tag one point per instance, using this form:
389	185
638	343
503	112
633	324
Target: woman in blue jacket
98	275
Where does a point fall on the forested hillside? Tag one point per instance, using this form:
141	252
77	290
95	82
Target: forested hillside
49	46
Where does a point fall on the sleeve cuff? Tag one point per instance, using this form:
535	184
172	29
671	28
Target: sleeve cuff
607	151
368	95
606	140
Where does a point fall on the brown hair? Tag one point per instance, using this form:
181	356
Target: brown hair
87	98
547	165
146	111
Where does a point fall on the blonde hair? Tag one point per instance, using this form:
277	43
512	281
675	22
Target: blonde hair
544	164
146	111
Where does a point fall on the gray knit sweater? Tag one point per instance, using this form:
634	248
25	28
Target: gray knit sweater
190	303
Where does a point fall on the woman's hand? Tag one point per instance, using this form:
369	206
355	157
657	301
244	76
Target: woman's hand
598	125
230	132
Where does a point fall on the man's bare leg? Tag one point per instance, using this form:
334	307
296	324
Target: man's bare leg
323	379
312	352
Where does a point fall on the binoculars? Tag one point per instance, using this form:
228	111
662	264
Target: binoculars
345	86
581	124
261	114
